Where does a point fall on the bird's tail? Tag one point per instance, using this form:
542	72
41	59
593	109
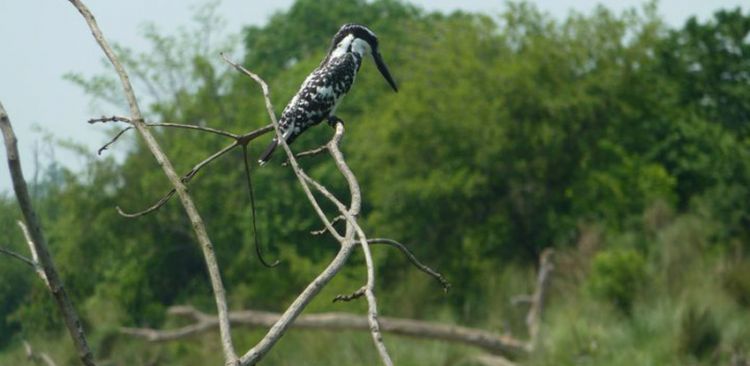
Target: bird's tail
267	153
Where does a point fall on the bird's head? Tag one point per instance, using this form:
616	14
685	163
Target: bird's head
360	39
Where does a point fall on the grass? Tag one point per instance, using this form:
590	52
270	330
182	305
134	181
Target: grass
691	310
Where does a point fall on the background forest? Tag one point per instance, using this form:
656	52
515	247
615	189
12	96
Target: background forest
620	142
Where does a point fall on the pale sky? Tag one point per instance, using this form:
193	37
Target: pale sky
43	39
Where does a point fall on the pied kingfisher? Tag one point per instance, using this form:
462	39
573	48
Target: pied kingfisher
324	88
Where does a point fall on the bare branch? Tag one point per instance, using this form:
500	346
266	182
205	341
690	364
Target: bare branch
534	316
34	256
352	227
164	199
105	119
334	321
39	245
185	179
197	128
216	131
212	130
354	295
281	323
117	136
41	357
136	118
252	135
21	258
317	151
413	259
347	241
324	230
241	140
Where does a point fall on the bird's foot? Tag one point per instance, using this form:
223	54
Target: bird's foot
333	120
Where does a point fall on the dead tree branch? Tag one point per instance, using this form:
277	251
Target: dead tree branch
485	340
499	346
20	257
413	259
34	256
538	298
353	234
38	358
136	118
352	228
347	243
240	140
38	244
353	296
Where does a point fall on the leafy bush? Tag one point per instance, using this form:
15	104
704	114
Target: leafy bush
736	282
617	276
699	333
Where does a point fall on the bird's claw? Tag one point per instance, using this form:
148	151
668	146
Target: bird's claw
333	120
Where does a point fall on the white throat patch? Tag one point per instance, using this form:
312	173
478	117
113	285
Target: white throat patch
361	47
357	45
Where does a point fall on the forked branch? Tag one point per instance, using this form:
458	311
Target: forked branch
38	357
136	118
353	235
38	244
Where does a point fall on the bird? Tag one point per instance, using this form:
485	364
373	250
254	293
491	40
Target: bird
323	89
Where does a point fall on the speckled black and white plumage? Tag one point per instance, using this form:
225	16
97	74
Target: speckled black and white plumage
325	87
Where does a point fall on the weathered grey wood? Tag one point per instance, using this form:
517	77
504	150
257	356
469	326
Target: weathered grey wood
38	244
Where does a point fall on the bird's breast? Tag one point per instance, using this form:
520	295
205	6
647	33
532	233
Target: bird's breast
321	93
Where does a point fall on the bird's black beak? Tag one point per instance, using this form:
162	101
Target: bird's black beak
384	69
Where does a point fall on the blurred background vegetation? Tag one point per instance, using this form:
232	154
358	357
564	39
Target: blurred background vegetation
619	141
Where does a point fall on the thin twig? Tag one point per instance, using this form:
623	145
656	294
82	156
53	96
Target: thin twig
216	131
197	222
105	119
413	259
250	190
19	257
353	296
117	136
163	200
241	140
317	151
38	243
323	230
187	177
197	128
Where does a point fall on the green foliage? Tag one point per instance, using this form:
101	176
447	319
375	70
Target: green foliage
510	133
736	281
618	276
699	333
